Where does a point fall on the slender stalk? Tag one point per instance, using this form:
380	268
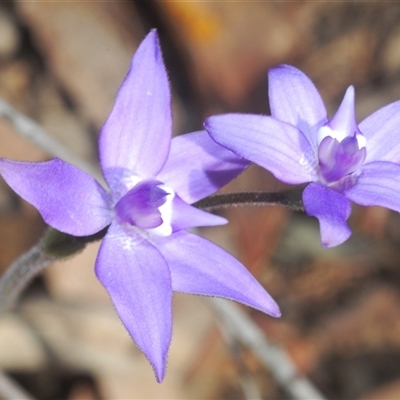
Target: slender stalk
55	245
19	274
288	198
274	358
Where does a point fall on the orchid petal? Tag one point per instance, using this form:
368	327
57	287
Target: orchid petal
377	185
185	216
382	130
344	122
197	166
277	146
138	281
67	198
294	99
137	133
200	267
332	210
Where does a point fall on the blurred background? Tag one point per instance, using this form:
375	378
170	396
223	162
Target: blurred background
61	63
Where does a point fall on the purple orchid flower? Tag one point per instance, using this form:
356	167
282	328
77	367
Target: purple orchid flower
341	161
146	253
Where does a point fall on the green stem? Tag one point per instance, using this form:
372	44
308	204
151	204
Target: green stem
19	274
54	245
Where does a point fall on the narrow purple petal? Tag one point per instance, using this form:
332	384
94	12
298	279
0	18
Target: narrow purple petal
277	146
200	267
137	133
344	122
197	166
332	210
294	99
377	185
138	281
68	198
382	131
185	216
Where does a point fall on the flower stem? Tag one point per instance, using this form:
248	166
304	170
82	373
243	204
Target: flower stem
55	245
19	274
289	198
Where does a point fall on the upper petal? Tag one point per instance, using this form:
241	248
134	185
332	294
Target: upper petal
382	131
68	198
277	146
137	133
197	166
200	267
138	281
332	210
377	185
294	99
344	124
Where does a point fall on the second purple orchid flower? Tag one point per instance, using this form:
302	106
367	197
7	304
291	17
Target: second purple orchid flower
340	160
146	253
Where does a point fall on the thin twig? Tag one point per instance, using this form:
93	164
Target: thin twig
10	390
31	130
273	357
246	380
19	274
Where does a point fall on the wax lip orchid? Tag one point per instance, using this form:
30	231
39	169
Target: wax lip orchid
341	161
146	253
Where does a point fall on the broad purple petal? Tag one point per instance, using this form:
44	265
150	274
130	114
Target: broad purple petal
332	210
67	198
197	166
294	99
382	131
200	267
377	185
138	281
137	133
277	146
185	216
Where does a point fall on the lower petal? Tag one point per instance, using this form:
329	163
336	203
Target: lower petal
138	281
200	267
332	210
377	185
185	216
